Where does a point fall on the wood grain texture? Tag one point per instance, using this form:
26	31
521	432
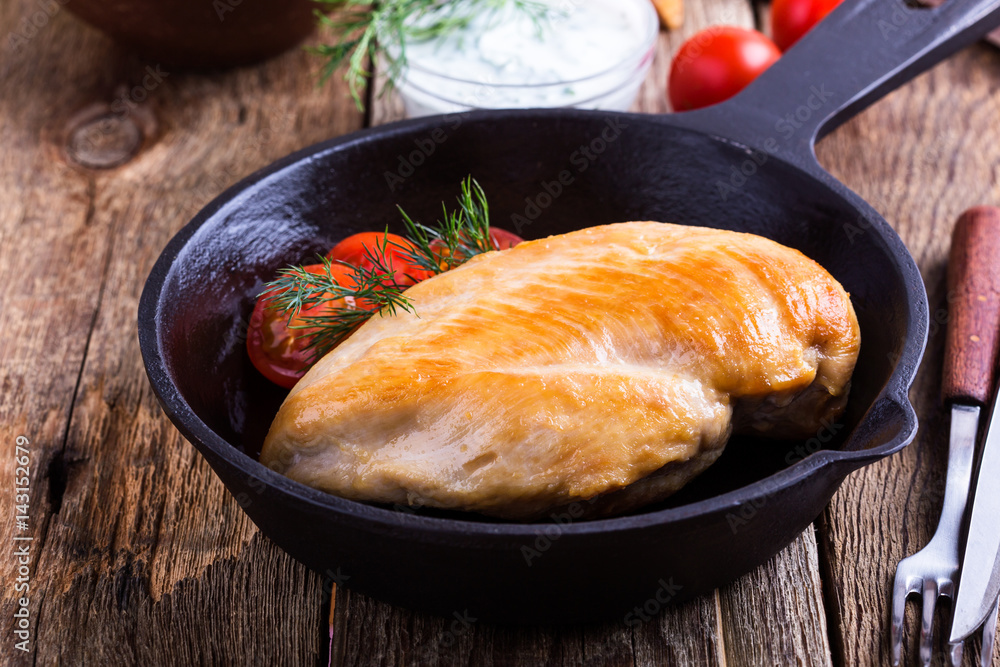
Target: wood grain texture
671	13
772	616
141	557
974	307
920	157
775	615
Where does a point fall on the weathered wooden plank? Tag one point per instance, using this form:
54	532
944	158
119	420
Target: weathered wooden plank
141	556
775	614
46	249
380	634
687	634
386	105
921	156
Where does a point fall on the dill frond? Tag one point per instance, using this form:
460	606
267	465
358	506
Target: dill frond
330	308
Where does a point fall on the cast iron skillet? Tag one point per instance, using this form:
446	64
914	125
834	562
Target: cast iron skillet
745	165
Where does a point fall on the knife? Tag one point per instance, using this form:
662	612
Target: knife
974	284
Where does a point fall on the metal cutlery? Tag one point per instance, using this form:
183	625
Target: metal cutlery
979	586
974	320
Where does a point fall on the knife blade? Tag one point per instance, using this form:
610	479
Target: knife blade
974	283
979	585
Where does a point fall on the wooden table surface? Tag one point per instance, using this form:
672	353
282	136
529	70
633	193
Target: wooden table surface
139	556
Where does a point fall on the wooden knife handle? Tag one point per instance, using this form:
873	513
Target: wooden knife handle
973	307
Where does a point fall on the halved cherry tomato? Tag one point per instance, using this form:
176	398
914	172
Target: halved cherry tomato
717	63
501	238
790	19
357	250
279	352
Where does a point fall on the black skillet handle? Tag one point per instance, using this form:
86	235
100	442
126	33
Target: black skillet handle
860	52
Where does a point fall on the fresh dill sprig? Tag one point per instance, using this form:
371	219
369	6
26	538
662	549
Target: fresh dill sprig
347	304
458	236
367	29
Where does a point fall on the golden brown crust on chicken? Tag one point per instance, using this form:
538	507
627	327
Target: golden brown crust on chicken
607	360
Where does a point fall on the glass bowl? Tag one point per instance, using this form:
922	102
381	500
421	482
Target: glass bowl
427	88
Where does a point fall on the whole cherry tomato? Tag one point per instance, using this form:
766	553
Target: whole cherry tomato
717	63
279	352
790	19
360	248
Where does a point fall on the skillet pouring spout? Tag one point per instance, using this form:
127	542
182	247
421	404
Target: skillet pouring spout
755	500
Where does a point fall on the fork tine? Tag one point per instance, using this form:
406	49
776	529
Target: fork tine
930	595
900	591
956	652
989	633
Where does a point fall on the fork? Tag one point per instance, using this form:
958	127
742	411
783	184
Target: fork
933	571
969	373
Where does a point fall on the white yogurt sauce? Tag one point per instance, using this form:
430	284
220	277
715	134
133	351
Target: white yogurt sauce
582	50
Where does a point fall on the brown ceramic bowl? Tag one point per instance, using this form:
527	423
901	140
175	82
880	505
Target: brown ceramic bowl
201	33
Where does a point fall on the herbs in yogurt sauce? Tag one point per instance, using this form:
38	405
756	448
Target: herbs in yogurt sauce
366	30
